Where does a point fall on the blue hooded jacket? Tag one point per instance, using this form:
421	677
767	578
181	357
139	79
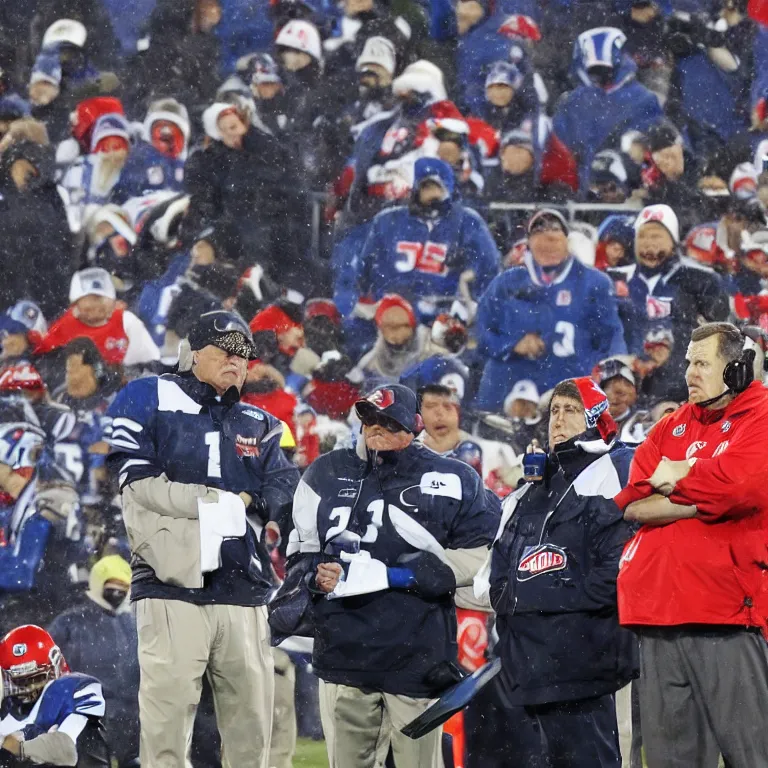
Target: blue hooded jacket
421	257
591	118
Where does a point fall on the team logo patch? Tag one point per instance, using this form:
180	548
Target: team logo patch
657	308
726	425
19	649
258	415
155	175
347	493
679	430
246	447
720	449
382	398
563	298
542	559
694	447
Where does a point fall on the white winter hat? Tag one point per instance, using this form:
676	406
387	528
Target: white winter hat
659	214
65	31
170	110
93	281
211	118
422	77
524	389
301	36
378	50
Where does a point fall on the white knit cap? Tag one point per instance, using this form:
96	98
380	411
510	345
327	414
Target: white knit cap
659	214
378	50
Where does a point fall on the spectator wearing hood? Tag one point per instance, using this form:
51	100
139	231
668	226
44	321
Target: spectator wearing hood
120	337
665	291
21	328
615	239
607	102
178	55
549	316
423	250
98	637
750	297
12	105
36	250
400	343
157	161
670	175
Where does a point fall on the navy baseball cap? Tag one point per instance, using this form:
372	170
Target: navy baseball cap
393	401
225	330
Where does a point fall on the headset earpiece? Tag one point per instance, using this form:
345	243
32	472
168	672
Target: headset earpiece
418	424
739	374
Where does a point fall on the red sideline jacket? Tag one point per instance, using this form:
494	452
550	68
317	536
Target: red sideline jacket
711	569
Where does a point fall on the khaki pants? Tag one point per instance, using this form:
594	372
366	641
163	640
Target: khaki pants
360	727
178	644
283	743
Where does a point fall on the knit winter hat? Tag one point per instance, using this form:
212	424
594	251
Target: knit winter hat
273	318
595	403
660	214
394	300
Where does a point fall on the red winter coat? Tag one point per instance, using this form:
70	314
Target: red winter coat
110	339
711	569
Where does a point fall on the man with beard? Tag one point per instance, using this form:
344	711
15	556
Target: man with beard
406	528
665	290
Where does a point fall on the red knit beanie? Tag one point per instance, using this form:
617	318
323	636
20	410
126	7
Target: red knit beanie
395	300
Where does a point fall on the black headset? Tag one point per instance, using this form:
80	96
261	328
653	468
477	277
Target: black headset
738	374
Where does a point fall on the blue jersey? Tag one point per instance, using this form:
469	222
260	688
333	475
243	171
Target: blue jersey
148	170
575	315
422	259
406	509
178	426
68	704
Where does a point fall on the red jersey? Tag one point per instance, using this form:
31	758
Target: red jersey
711	569
110	338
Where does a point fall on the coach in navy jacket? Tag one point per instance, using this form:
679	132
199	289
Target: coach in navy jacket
551	578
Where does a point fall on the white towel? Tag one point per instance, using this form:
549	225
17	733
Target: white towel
365	575
219	520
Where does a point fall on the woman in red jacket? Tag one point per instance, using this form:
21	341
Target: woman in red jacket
693	581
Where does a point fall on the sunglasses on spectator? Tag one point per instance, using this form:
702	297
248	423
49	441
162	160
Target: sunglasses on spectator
383	421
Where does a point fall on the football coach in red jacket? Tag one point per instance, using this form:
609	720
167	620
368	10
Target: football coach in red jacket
693	582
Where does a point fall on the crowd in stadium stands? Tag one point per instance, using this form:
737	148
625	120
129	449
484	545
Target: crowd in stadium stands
475	198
